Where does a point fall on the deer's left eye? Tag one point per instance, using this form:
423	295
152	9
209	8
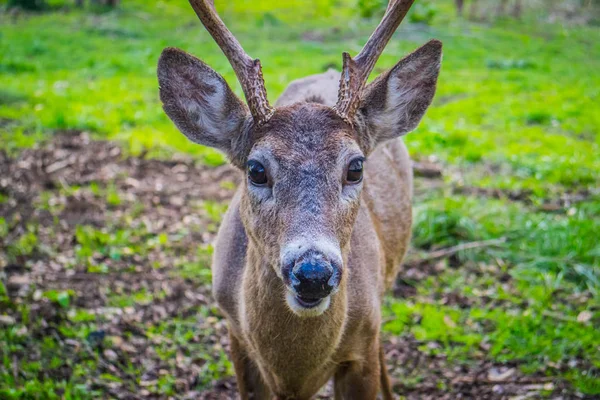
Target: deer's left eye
257	173
355	171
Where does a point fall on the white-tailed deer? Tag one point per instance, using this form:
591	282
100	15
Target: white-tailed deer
500	9
309	243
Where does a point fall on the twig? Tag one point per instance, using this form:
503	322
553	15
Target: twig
15	369
516	381
558	316
461	247
426	170
57	166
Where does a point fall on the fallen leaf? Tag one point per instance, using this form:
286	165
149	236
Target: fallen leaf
7	320
496	375
449	323
584	316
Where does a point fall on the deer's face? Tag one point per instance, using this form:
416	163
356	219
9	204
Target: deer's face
301	196
303	163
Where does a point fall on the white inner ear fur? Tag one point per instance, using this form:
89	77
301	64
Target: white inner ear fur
397	108
210	115
404	106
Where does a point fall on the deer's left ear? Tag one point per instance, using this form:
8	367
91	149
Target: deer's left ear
395	102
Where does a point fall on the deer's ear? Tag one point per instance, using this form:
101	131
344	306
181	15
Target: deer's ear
395	102
199	101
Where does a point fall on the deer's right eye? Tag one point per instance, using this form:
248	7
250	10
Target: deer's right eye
355	171
257	173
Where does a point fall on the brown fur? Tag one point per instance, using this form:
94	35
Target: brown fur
306	148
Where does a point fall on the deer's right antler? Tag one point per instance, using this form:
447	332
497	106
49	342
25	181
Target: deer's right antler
356	71
247	70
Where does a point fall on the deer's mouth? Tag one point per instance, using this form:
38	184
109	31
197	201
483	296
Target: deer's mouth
305	307
308	303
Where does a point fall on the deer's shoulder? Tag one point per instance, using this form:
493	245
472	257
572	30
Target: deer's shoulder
229	258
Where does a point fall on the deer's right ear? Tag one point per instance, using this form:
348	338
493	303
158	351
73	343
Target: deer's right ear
199	101
395	102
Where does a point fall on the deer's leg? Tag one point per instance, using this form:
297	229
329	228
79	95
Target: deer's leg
501	10
359	380
386	387
240	361
473	10
249	382
517	9
260	391
459	6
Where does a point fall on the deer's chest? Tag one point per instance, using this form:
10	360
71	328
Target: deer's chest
295	355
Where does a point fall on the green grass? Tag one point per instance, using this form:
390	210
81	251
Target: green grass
546	258
563	244
515	111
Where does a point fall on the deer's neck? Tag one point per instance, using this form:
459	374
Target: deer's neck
286	346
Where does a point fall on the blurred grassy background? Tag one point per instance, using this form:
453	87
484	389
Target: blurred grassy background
514	127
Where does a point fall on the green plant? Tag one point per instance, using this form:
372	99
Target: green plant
25	245
371	8
62	298
443	226
3	228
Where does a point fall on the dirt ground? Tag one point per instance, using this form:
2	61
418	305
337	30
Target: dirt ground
163	197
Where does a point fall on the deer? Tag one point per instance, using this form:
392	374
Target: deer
318	227
500	9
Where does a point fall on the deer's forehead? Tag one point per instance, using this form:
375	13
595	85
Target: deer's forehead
306	133
307	145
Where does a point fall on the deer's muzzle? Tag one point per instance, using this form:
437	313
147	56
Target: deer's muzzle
312	278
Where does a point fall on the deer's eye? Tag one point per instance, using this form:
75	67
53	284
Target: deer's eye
355	171
257	173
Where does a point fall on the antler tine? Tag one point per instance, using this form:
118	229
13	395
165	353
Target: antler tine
247	70
356	71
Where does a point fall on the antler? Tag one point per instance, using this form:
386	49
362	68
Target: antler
247	70
355	72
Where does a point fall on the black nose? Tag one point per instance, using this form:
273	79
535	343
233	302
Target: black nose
311	277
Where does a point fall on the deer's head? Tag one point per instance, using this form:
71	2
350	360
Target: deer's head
304	162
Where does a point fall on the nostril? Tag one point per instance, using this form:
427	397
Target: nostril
294	279
334	279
